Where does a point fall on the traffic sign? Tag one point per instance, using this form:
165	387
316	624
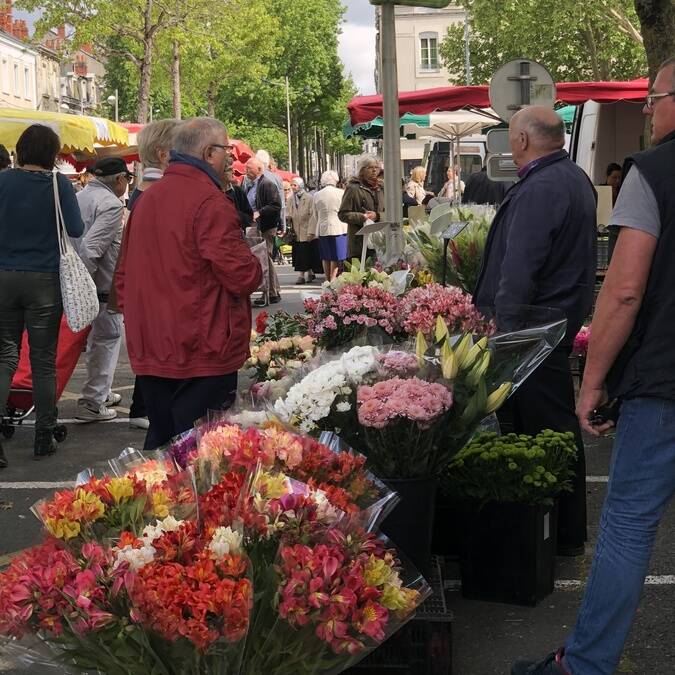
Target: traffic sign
518	84
498	141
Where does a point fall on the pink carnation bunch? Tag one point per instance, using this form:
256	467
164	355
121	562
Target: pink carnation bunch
338	316
391	400
421	306
400	363
580	346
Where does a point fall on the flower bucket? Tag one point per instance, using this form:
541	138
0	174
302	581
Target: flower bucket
507	552
410	524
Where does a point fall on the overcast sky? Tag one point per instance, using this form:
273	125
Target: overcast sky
357	44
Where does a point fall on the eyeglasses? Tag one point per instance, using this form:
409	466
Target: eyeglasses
224	147
652	98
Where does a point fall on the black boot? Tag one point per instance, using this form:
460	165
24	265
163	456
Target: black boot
44	443
3	459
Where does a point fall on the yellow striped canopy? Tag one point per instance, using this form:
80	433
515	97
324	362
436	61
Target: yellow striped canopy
77	132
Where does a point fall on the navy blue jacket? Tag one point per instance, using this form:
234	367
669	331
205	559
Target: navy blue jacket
28	240
541	248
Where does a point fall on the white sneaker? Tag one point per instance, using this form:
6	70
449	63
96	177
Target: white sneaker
139	423
113	399
92	413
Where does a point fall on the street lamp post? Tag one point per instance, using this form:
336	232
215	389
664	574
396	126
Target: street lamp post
288	115
114	99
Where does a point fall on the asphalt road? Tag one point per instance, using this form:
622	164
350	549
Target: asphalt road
487	637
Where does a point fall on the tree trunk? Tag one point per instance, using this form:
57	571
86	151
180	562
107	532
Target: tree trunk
657	21
211	99
589	39
146	65
175	78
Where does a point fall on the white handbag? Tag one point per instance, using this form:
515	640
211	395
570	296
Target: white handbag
78	290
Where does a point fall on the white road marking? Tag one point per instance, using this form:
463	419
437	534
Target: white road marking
37	485
116	420
597	479
573	584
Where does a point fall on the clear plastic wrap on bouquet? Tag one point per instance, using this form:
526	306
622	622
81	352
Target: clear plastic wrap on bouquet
329	601
334	469
98	509
193	595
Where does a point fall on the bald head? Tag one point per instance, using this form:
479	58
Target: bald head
535	131
254	168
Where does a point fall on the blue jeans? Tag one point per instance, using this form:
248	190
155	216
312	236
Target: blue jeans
641	483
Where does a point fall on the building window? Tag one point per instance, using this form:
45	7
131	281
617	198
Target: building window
5	76
16	80
26	83
429	51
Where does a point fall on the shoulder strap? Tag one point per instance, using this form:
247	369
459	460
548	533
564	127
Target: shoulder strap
60	226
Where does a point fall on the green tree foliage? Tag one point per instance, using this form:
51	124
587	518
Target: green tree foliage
591	40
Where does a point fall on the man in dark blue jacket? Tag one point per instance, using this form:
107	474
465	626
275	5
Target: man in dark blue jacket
541	251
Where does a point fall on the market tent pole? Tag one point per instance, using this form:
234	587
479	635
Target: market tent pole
393	205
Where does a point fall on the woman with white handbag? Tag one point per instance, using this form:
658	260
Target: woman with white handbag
32	201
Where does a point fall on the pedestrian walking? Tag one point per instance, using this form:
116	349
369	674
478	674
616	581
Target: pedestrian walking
264	200
331	230
301	216
541	251
363	200
30	290
155	141
102	212
631	358
184	284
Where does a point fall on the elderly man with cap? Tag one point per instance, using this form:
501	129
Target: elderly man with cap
102	212
541	251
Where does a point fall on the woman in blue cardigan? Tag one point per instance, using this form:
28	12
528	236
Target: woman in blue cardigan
30	291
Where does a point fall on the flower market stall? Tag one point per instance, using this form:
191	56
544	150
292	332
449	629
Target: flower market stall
294	532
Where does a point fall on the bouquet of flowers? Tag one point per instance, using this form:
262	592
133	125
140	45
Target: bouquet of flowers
581	340
370	276
339	317
274	360
275	575
421	307
512	468
425	245
324	399
279	325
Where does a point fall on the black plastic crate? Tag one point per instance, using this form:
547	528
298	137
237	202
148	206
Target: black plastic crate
423	646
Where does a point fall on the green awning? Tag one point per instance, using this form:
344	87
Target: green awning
373	128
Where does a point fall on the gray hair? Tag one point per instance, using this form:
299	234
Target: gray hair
669	63
299	182
366	161
264	157
154	137
109	181
194	135
329	178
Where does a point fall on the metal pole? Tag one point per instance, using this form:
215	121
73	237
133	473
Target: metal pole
288	125
467	50
391	132
117	109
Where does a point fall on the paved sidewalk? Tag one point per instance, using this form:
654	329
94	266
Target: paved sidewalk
486	637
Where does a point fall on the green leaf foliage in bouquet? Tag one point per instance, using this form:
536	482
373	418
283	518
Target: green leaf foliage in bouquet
512	468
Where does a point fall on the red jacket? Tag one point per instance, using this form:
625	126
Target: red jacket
185	278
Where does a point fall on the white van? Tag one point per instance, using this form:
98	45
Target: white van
604	133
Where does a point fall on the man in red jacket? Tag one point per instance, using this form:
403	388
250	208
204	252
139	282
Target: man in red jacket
184	284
